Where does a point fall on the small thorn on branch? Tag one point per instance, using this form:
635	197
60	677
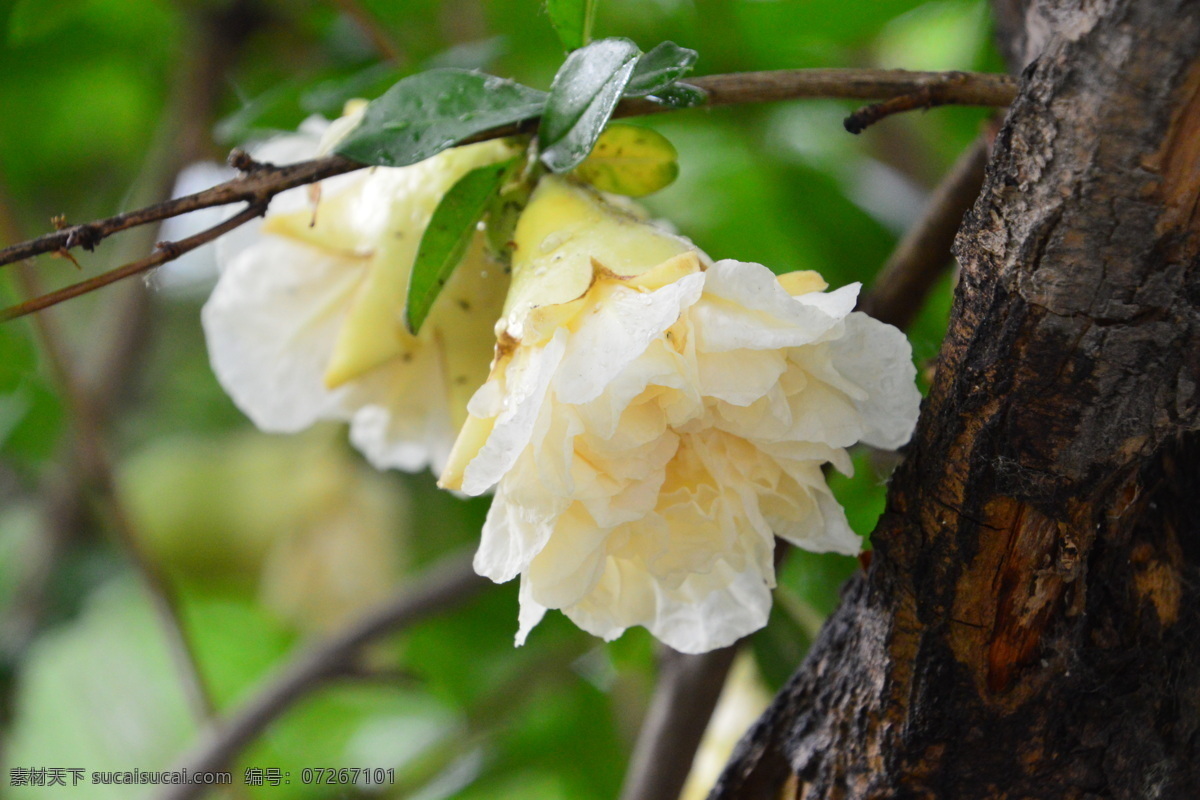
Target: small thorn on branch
242	161
164	252
63	252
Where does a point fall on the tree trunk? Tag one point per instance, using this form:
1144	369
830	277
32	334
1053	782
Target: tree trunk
1029	626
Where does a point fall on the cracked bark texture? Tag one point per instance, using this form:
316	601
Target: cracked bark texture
1029	626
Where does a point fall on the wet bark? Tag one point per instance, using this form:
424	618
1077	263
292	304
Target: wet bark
1029	626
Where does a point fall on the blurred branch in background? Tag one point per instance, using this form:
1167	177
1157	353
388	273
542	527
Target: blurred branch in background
90	396
265	181
684	698
922	256
442	588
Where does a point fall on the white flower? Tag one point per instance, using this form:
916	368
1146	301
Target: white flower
652	424
305	321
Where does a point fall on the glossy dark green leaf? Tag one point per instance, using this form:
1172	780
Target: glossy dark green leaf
572	21
502	215
445	240
660	68
582	98
428	112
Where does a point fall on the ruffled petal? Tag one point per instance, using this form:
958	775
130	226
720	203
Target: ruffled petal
878	358
617	333
270	325
527	378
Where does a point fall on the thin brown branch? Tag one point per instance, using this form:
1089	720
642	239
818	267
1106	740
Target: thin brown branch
923	255
256	188
443	588
166	251
953	88
684	698
748	87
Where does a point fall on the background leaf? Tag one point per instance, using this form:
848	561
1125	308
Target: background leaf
661	67
572	21
630	160
582	98
425	113
446	239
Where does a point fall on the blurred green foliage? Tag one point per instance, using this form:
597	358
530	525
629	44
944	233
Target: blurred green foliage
261	535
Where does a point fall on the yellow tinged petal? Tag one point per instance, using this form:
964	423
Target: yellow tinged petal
471	438
373	331
630	160
473	295
667	272
802	282
564	230
542	321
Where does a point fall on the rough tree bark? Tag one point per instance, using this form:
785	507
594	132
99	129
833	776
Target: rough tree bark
1029	626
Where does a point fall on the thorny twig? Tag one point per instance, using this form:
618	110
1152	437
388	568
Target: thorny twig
164	252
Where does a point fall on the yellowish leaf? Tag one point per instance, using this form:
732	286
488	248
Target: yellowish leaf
630	160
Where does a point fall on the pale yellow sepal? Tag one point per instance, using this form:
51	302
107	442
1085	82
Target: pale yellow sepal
564	229
471	438
665	273
373	331
802	281
329	224
473	294
541	322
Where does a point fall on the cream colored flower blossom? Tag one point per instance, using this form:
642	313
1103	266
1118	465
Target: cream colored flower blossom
653	420
305	321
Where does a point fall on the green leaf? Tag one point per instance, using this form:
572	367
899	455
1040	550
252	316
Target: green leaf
503	213
572	21
630	160
445	240
660	68
582	98
426	113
